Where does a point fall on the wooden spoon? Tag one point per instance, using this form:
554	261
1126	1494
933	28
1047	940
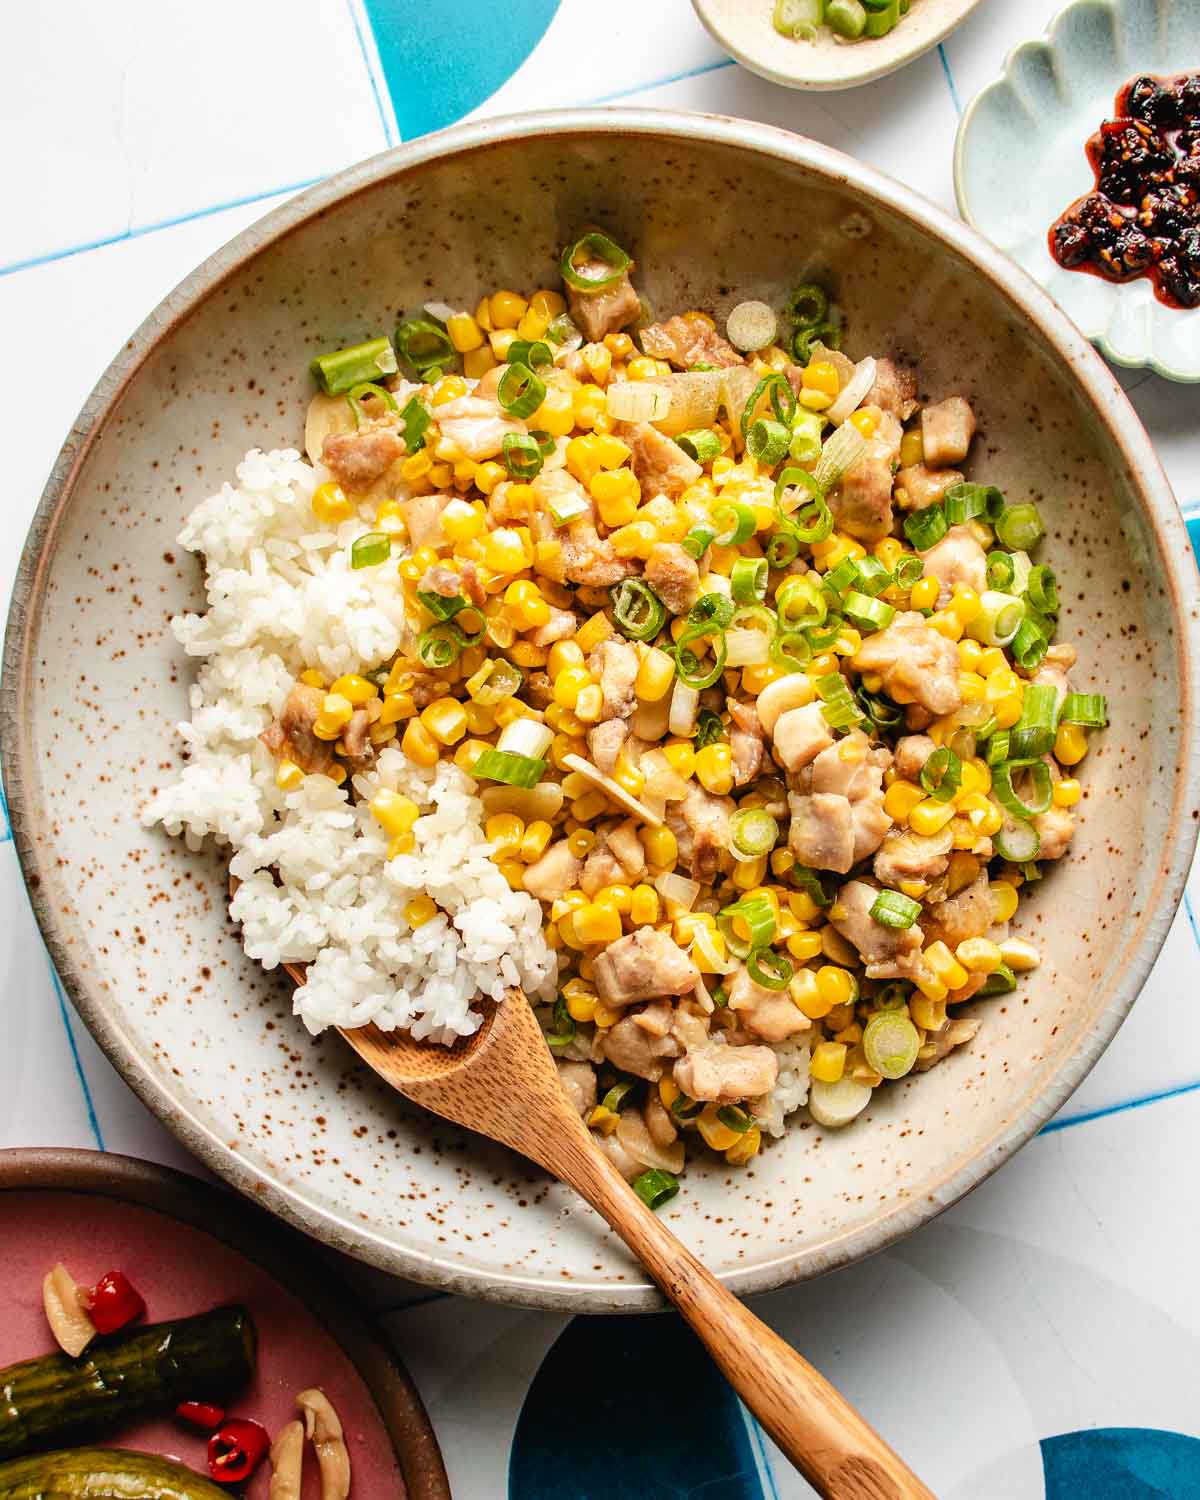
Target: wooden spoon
503	1083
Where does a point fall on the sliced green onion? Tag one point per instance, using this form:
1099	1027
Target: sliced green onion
841	452
1020	527
805	444
964	502
770	969
807	305
566	506
564	1026
823	639
997	750
751	325
882	19
941	775
754	832
782	548
999	619
1002	786
1017	842
563	331
422	343
873	576
799	19
1042	590
748	581
509	767
804	340
520	391
532	352
1033	733
709	729
441	606
685	1109
767	441
800	602
837	702
925	528
701	443
891	1043
783	400
747	925
895	909
809	882
342	369
710	613
416	417
698	541
907	571
1029	644
1001	981
656	1187
638	612
440	645
892	996
735	524
813	522
882	712
1000	570
503	681
598	248
370	550
866	613
734	1118
843	577
360	393
1088	709
522	455
691	672
792	650
617	1095
526	736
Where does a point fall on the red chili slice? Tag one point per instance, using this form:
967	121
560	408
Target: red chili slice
236	1450
201	1414
113	1302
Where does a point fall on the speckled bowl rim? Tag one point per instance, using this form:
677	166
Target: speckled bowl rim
869	71
1029	304
215	1211
1050	39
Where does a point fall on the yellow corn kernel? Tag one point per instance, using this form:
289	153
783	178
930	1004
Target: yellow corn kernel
901	798
655	676
979	955
964	605
661	846
715	1133
1019	955
749	873
828	1062
420	909
804	945
642	367
288	775
581	1004
528	609
504	831
601	1119
924	593
581	842
394	812
569	683
627	776
337	774
589	806
928	817
547	304
446	720
681	756
597	923
821	375
449	388
441	476
588	405
802	906
865	422
635	540
590	704
928	1012
946	624
336	713
970	654
355	689
643	906
617	494
807	996
838	986
714	768
619	897
1070	744
912	448
592	632
971	687
945	965
564	654
984	816
330	505
419	745
403	843
506	309
567	903
313	678
963	871
1067	792
746	1148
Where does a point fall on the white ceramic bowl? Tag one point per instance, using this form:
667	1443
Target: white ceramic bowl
94	683
744	29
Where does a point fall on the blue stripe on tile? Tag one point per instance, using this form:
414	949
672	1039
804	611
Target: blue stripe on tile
5	825
1119	1109
64	1013
1190	912
385	118
1122	1463
1193	529
759	1444
949	78
661	83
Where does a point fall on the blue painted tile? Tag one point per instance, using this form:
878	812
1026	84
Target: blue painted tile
1122	1463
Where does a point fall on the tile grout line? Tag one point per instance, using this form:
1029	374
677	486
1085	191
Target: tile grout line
759	1448
93	1119
386	119
1122	1108
660	83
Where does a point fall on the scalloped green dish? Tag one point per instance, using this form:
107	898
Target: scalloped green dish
1019	161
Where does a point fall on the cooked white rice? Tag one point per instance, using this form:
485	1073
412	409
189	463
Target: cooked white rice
317	886
791	1087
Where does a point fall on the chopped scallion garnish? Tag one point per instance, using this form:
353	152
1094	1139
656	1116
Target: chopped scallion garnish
416	417
925	528
520	391
638	612
423	344
891	1043
837	702
509	767
1088	709
343	369
770	969
440	645
748	580
370	550
1020	527
747	925
656	1187
599	249
753	832
1033	734
941	775
1041	788
735	524
895	909
701	443
866	613
522	455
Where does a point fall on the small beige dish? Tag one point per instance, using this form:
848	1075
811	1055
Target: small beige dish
95	683
744	28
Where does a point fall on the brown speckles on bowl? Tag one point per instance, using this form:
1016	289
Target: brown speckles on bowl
138	926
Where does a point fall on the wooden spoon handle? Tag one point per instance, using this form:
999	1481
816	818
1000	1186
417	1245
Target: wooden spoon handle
840	1455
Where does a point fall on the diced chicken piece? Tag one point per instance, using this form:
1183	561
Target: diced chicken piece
967	915
605	743
628	1165
878	945
578	1081
616	859
700	823
291	736
940	1044
720	1074
690	1026
640	1048
916	663
661	465
1055	828
745	741
642	965
770	1014
589	559
895	389
359	751
597	314
673	575
475	426
913	856
625	843
1062	654
600	868
615	664
658	1121
439	579
689	341
911	754
357	459
822	832
946	431
957	558
851	771
561	624
556	873
800	735
862	503
918	487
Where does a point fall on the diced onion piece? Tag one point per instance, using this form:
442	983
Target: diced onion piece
526	736
638	401
635	1137
751	325
746	648
287	1462
613	789
442	311
541	803
841	452
695	396
852	396
325	1433
663	781
836	1104
677	888
998	620
327	415
685	704
65	1313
